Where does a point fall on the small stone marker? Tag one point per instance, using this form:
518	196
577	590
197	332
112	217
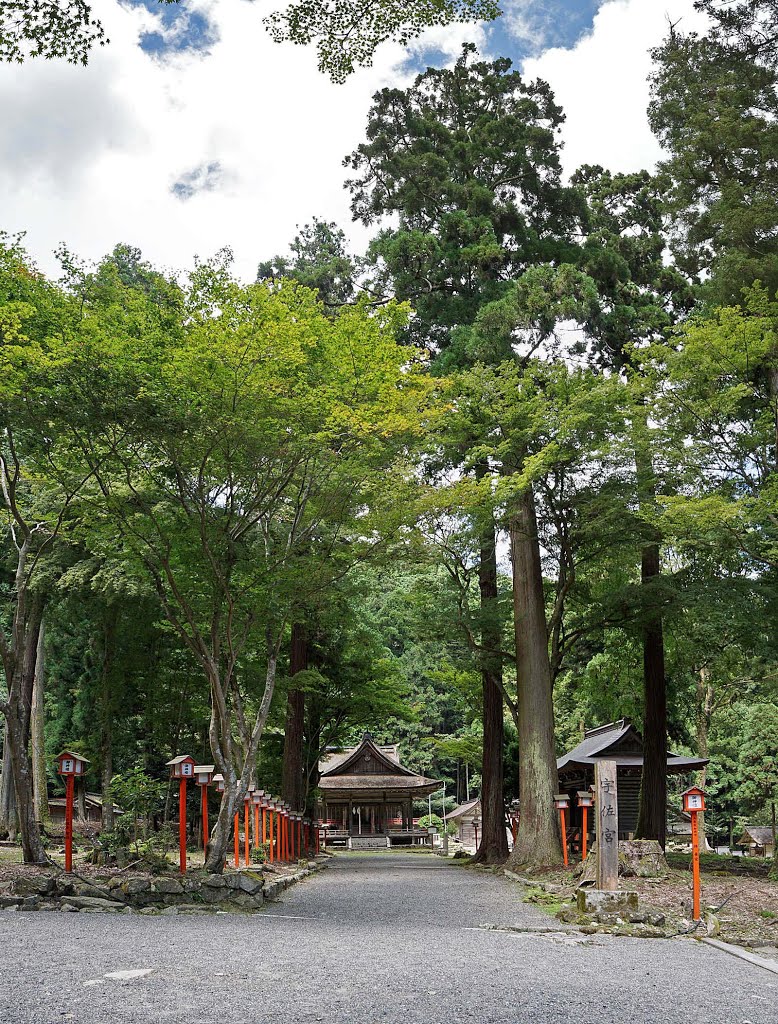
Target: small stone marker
607	826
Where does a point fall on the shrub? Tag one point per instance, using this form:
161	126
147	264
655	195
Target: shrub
260	854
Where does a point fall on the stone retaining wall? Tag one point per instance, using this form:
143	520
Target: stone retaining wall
195	892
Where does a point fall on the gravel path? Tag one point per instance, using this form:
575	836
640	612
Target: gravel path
375	939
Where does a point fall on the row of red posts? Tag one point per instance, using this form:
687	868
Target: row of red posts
287	834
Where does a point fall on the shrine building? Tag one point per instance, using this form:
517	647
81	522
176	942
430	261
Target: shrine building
367	797
620	742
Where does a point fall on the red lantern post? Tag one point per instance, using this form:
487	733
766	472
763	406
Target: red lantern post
693	804
284	823
271	810
256	797
246	825
561	802
203	777
182	768
69	765
585	801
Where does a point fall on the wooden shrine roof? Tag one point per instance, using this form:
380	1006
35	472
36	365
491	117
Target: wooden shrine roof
620	742
470	809
762	835
371	768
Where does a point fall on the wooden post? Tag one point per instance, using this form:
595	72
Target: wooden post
583	837
182	826
256	826
236	825
607	826
270	836
69	780
264	825
564	835
204	806
246	833
695	867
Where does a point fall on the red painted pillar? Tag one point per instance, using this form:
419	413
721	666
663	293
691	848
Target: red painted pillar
271	852
264	825
696	866
256	826
237	838
564	834
206	831
182	826
246	833
585	830
69	823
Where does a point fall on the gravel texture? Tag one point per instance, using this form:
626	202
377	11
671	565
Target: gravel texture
376	939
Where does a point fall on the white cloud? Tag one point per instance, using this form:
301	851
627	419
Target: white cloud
602	83
89	156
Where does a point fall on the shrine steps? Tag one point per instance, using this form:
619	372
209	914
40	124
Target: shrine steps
368	843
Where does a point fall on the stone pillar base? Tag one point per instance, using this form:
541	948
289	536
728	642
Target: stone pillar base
601	901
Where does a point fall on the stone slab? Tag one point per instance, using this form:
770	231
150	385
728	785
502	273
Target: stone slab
595	901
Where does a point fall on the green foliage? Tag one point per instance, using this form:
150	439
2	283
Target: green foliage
137	793
435	821
758	765
714	109
347	34
319	260
260	854
468	160
48	30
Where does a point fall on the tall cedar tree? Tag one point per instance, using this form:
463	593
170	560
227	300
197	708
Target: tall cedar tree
468	160
640	299
714	108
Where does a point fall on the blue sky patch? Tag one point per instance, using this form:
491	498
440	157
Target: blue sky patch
526	29
206	177
181	29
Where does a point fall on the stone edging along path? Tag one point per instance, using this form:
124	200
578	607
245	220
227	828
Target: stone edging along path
243	891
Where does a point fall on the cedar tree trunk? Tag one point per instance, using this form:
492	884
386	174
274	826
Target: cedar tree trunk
493	848
538	840
292	779
106	716
652	814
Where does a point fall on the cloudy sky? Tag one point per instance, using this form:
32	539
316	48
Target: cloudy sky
193	130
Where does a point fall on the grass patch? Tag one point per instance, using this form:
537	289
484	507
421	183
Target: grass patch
721	864
549	902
